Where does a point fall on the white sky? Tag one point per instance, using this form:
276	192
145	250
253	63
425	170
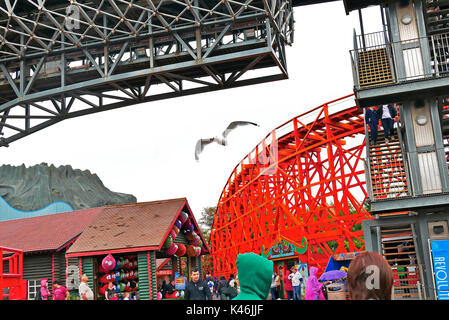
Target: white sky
148	149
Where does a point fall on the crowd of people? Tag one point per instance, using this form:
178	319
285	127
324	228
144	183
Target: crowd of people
369	277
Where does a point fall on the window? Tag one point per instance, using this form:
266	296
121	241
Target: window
33	286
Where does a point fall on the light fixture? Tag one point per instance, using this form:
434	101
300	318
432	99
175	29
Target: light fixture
421	119
406	19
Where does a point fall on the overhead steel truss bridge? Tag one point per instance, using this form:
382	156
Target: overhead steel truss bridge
61	59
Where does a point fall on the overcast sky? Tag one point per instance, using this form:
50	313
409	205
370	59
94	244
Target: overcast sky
148	149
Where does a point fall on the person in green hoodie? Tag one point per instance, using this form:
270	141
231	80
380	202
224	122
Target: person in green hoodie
254	276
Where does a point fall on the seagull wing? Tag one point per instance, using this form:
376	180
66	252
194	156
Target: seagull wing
200	146
236	124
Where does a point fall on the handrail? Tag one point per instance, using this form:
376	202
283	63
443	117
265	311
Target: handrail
415	66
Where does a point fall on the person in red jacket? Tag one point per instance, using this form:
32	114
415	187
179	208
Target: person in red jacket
288	285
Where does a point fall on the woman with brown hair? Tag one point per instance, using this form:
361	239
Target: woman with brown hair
370	277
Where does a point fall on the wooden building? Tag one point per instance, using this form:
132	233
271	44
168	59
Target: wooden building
136	235
44	241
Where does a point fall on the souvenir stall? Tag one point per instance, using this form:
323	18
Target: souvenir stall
124	242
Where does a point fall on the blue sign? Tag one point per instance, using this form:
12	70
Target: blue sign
440	259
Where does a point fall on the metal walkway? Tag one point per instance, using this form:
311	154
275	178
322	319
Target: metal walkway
61	59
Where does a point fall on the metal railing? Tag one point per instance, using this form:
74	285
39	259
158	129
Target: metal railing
419	58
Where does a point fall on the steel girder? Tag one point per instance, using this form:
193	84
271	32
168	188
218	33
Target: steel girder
63	59
310	188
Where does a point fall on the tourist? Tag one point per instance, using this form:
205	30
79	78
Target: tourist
313	286
60	292
164	289
370	277
254	276
85	292
288	285
372	119
273	287
387	113
222	285
296	279
110	292
43	293
231	291
278	285
197	289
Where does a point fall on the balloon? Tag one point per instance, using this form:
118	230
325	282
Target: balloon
173	233
181	250
178	224
197	251
172	250
159	295
175	229
108	263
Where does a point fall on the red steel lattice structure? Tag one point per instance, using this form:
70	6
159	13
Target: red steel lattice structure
304	182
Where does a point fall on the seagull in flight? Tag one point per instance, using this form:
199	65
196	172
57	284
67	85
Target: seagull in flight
220	139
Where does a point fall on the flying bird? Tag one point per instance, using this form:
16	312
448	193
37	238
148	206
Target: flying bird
220	139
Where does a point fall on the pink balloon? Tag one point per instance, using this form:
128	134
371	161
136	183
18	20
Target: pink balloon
108	263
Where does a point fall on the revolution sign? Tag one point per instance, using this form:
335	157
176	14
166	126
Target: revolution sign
440	260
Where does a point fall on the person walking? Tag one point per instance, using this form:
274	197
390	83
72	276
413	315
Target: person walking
254	276
296	279
362	285
222	285
372	119
231	291
85	292
313	286
273	287
60	292
387	113
197	289
288	284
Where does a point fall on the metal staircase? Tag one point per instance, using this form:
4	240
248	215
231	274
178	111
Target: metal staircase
387	168
398	248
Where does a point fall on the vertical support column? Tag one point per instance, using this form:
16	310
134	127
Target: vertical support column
198	265
439	144
411	152
152	275
150	41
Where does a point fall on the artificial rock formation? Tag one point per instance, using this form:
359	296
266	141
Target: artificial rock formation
35	187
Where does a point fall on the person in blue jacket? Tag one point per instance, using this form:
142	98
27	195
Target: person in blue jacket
372	119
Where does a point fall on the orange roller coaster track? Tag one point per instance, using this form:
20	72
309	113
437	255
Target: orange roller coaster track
303	183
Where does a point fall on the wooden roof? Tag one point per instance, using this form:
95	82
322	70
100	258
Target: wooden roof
131	227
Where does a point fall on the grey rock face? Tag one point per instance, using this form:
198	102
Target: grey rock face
35	187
